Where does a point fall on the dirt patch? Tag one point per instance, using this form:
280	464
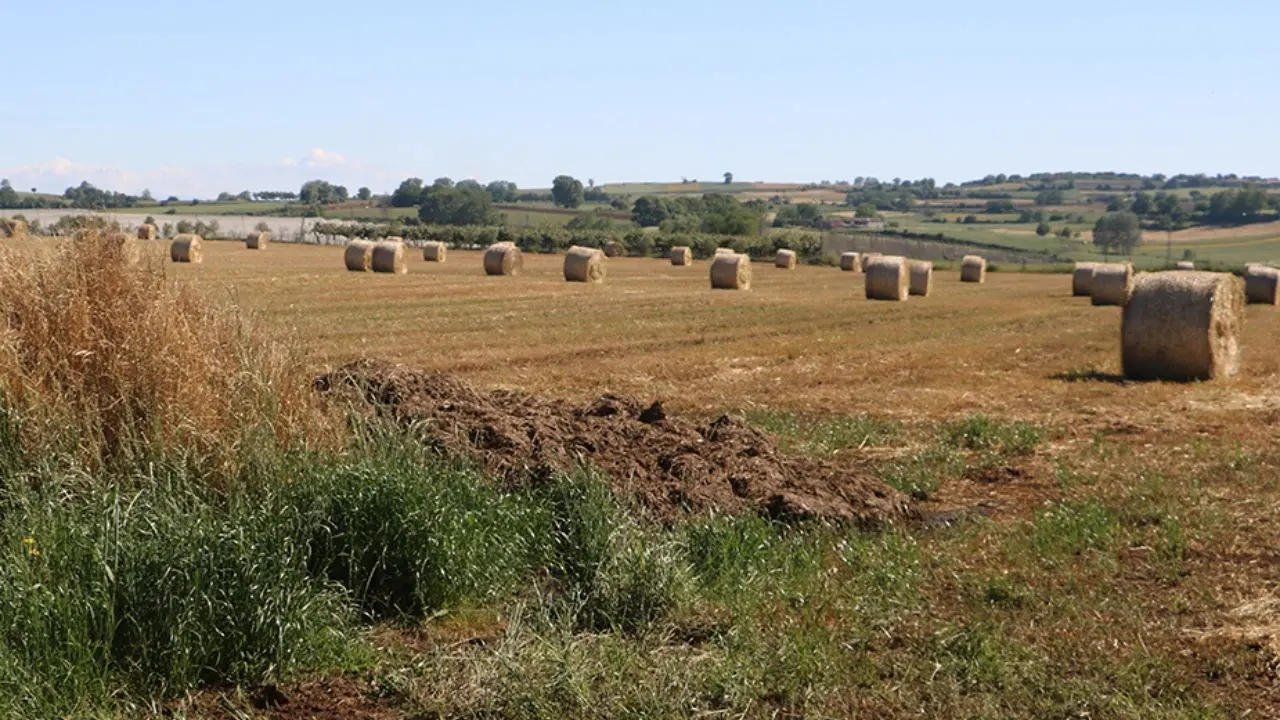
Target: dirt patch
340	696
668	464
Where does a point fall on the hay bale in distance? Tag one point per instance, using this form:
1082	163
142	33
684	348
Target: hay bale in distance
1112	283
187	249
888	278
257	240
865	257
388	257
921	282
148	231
613	248
973	269
503	258
1182	326
851	262
726	251
127	246
1185	265
786	260
359	256
681	256
435	252
731	272
1261	284
585	265
1082	279
13	227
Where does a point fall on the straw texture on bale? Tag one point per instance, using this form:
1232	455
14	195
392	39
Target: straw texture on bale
187	249
1112	283
681	255
973	269
503	258
13	227
147	231
613	248
388	257
726	251
435	252
921	278
127	245
359	256
888	278
1082	279
1261	284
1186	265
865	257
257	240
850	262
1182	326
731	272
585	265
786	260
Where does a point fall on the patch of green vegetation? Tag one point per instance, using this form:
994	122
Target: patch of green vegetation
825	437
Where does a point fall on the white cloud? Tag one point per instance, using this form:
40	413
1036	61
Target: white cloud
319	157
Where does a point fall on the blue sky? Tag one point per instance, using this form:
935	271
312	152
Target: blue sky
195	98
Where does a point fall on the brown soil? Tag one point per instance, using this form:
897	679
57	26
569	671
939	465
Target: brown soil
668	464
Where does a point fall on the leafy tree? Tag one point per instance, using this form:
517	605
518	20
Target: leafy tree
997	207
1043	229
262	227
728	178
650	211
1167	204
799	215
1142	205
501	191
1118	232
866	210
1236	206
340	194
8	196
185	227
319	192
1049	197
567	191
364	194
1065	233
442	182
408	194
448	205
1116	205
469	185
589	221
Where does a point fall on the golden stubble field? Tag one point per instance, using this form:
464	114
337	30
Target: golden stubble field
804	341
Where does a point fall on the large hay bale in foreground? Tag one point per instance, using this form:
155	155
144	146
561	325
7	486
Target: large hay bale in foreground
865	257
148	231
257	240
1185	265
613	248
359	256
731	272
586	265
1082	279
786	260
503	258
1112	283
681	256
388	257
888	278
973	269
1261	284
921	278
1182	326
851	262
435	252
187	249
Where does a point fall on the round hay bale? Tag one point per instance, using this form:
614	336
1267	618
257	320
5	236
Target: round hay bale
358	256
13	227
973	269
865	257
851	262
503	258
127	246
1082	279
147	231
731	272
681	256
435	252
786	260
388	257
726	251
586	265
1185	265
1112	283
257	240
888	278
1261	284
187	249
613	248
1182	326
921	278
